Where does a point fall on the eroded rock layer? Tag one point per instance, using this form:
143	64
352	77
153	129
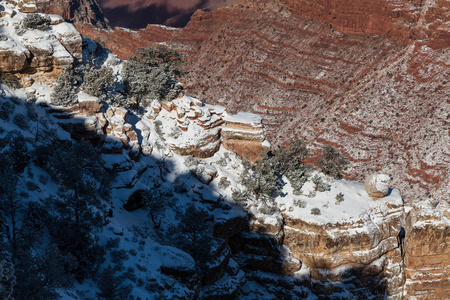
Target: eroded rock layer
376	88
87	11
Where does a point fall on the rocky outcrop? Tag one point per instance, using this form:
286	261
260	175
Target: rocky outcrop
190	128
83	11
24	6
426	248
199	129
36	51
244	134
332	72
362	247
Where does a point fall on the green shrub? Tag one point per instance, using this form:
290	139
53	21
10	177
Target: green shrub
65	91
96	82
315	211
333	162
36	21
151	74
339	198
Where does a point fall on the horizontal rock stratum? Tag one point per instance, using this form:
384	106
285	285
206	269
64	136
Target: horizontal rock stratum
369	78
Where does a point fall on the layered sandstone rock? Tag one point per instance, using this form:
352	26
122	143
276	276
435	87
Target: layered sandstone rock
357	244
244	134
37	51
427	251
85	11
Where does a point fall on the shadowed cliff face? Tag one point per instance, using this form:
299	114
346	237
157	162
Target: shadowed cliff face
138	14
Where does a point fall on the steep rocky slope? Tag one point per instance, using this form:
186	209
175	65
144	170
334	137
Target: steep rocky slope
86	11
372	81
311	245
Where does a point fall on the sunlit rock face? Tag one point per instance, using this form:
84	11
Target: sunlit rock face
427	251
32	50
369	78
85	11
377	185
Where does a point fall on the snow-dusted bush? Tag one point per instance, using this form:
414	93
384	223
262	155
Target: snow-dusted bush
179	186
112	287
21	121
8	280
65	91
222	162
191	161
36	21
31	186
223	184
239	197
333	162
297	178
320	185
118	256
31	112
117	99
10	80
315	211
261	179
339	198
96	82
267	209
300	203
151	74
6	110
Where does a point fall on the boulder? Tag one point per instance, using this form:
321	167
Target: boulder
136	200
177	263
377	185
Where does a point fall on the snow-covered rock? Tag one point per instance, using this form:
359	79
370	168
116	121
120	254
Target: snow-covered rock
34	50
377	185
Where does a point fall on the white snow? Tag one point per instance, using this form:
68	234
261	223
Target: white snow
356	202
245	118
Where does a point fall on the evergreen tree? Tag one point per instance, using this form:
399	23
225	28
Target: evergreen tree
193	234
7	280
333	162
98	81
65	91
112	286
151	74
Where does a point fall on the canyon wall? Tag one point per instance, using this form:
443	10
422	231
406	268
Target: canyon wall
83	11
377	94
375	88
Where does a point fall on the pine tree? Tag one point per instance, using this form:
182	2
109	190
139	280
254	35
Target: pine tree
96	82
65	91
150	75
7	280
333	162
112	286
193	234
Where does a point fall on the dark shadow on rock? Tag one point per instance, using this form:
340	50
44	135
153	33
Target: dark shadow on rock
238	255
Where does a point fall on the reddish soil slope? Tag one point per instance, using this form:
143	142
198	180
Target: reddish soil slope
369	77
